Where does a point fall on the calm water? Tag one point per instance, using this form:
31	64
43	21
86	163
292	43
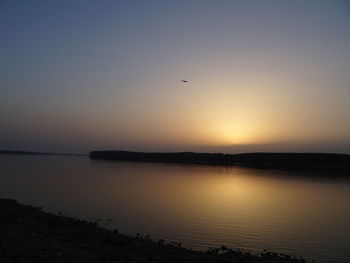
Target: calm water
200	206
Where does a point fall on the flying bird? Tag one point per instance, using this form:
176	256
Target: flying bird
185	81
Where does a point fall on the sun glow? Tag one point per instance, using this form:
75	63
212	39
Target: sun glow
236	132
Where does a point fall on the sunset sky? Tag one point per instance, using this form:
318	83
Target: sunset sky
263	75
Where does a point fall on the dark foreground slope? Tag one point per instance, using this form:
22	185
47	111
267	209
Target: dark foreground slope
269	160
29	235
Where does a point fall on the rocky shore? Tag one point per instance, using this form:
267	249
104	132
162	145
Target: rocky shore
29	235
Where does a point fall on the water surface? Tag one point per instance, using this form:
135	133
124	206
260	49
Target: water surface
199	206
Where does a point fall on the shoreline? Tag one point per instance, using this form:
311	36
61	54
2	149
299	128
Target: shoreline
28	234
262	160
10	152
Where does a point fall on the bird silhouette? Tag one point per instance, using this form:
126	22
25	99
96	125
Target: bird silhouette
185	81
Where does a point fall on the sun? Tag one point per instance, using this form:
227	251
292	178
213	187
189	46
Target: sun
233	132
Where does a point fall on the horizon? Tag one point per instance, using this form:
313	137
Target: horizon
20	151
162	76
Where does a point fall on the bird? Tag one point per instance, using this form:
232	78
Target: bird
185	81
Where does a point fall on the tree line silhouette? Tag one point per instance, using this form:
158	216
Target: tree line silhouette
322	160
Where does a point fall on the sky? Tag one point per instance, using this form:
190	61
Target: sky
270	75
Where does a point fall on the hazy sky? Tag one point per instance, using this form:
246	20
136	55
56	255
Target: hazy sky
263	75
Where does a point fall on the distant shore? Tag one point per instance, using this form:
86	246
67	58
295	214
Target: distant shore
27	234
10	152
262	160
287	161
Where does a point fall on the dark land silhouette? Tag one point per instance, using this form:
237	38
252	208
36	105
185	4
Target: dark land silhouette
263	160
36	153
27	234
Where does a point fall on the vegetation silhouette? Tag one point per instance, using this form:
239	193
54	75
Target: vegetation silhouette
263	160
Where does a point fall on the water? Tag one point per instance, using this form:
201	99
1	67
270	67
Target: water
199	206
